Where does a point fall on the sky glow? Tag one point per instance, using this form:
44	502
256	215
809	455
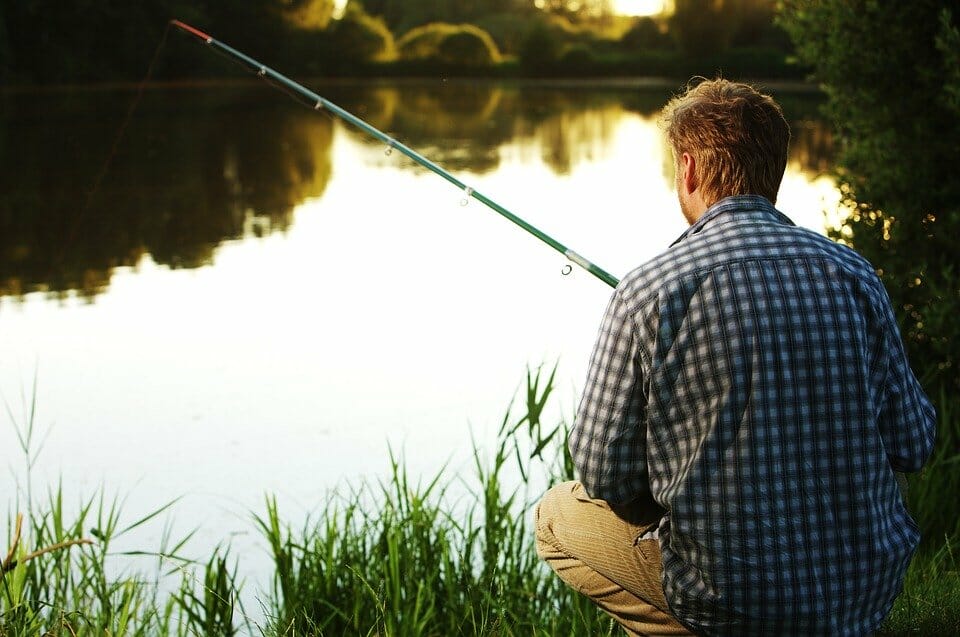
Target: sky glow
638	7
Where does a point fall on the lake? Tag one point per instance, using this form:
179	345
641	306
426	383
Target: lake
246	297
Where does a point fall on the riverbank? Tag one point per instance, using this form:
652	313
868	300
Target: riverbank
639	83
447	554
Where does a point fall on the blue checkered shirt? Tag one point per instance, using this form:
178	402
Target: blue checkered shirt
752	379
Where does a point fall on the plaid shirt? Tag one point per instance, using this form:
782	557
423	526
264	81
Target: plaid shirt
752	379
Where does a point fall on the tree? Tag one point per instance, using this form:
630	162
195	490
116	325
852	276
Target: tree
576	10
540	49
891	71
644	35
308	14
703	27
453	44
358	38
5	62
468	46
403	15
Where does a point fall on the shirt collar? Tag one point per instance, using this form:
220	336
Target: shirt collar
759	206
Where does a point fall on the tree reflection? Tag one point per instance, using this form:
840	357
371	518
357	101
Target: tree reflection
198	167
194	168
463	126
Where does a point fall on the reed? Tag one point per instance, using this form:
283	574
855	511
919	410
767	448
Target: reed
450	554
62	575
409	558
932	493
930	602
398	562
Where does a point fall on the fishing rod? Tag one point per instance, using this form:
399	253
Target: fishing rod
319	103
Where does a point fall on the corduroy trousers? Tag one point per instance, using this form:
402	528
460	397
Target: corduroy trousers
601	553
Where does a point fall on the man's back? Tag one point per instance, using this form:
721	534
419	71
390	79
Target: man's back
753	381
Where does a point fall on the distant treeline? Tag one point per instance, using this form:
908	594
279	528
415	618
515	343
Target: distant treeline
50	41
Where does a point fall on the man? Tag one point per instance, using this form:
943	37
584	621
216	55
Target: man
747	405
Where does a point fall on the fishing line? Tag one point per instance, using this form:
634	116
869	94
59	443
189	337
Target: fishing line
105	168
315	101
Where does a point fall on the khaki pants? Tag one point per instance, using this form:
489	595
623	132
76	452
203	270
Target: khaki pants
598	552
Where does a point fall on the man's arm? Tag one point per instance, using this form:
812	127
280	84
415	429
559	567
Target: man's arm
608	440
908	421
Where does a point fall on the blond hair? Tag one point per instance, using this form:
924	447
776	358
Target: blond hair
737	136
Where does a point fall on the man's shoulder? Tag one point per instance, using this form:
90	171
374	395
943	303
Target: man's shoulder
734	240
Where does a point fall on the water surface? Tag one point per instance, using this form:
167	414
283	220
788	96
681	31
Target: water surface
254	298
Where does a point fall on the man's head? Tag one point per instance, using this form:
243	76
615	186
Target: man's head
727	139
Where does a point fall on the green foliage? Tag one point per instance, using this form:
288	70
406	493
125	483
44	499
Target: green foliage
578	58
212	609
59	576
702	27
469	46
579	11
52	41
540	49
66	583
930	602
446	557
422	42
6	61
897	113
407	558
403	15
452	44
756	26
928	490
708	27
645	34
43	42
308	14
508	30
359	38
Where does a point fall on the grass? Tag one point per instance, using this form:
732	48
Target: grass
930	602
439	556
418	560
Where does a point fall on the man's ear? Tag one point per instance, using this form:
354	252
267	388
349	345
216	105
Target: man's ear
688	173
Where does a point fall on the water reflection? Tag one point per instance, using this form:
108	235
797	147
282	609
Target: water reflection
198	167
375	310
193	169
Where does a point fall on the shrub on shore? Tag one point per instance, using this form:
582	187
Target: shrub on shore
449	44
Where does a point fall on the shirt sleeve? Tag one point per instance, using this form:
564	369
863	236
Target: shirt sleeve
907	418
608	439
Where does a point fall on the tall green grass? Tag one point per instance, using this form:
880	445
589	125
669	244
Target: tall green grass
412	558
930	602
933	494
452	554
62	576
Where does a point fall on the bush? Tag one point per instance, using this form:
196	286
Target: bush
470	47
508	30
644	35
578	58
358	38
899	124
897	111
702	27
540	49
453	44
